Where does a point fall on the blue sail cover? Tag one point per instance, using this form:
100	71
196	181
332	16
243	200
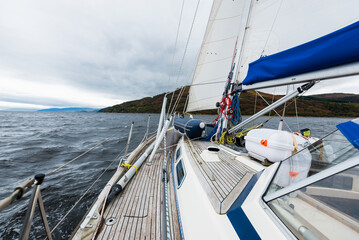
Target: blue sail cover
336	48
350	130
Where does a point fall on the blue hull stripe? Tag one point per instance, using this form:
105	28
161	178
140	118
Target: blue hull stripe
238	218
336	48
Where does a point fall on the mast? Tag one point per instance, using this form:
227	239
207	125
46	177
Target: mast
238	51
274	53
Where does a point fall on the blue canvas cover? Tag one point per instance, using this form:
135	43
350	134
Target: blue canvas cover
350	130
336	48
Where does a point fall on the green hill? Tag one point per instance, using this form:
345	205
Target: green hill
323	105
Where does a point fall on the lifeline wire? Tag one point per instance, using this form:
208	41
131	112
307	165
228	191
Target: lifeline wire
74	159
83	195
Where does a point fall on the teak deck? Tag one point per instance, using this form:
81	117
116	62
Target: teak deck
223	180
138	209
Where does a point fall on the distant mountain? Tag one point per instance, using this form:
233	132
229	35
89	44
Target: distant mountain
20	109
68	110
323	105
336	97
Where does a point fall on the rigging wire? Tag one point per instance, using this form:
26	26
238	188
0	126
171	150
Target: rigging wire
271	29
255	103
185	51
272	100
188	39
174	52
180	94
84	194
274	110
296	111
81	155
175	47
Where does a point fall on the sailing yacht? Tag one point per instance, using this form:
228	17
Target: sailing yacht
234	179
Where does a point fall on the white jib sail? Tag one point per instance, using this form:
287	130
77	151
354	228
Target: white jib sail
216	56
277	25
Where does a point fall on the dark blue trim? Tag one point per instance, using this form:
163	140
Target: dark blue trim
176	197
350	130
336	48
238	218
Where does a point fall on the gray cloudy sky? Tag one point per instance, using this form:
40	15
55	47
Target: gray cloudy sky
92	53
98	53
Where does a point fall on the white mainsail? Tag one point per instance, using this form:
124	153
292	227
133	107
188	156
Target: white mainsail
260	28
216	56
274	26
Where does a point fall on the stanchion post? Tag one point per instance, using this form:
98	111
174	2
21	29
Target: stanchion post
35	197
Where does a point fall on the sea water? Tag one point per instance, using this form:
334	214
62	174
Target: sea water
39	142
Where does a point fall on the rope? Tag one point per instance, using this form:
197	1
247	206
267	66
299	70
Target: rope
226	104
129	166
168	227
226	138
236	111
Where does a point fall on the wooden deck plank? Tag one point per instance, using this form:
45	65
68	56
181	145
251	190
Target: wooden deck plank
129	193
207	183
140	212
148	223
144	208
228	174
159	204
221	178
136	204
117	213
150	180
138	209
